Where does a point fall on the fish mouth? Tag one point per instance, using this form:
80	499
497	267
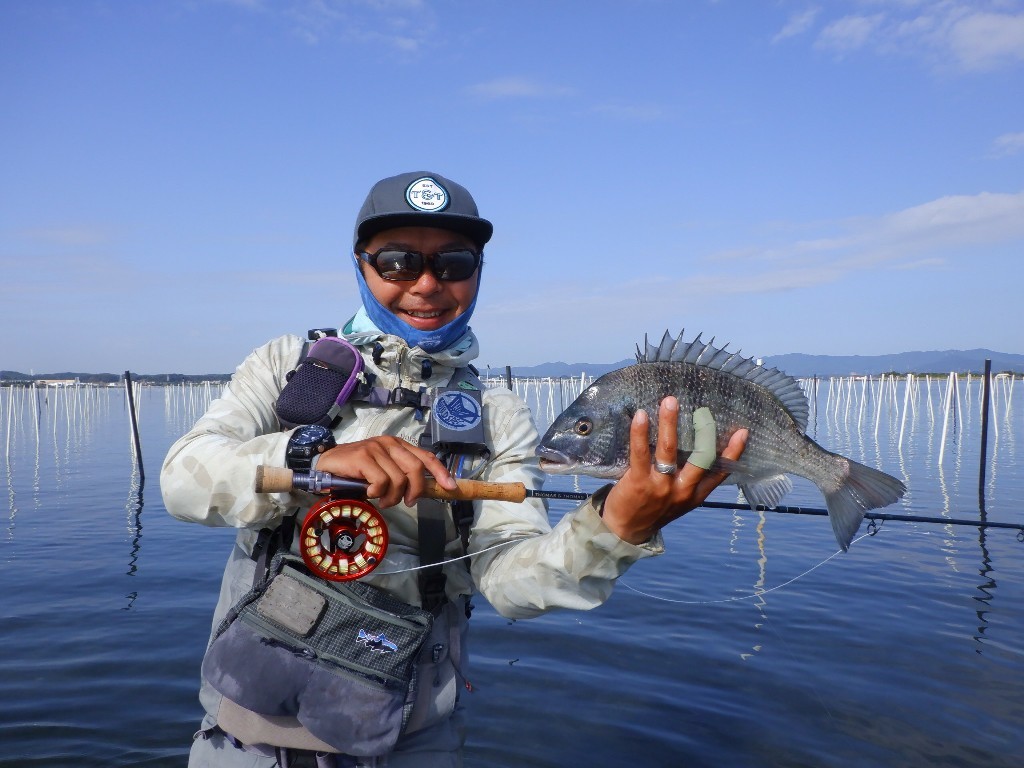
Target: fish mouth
555	462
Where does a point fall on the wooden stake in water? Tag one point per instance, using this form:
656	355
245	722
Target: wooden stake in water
135	424
984	435
945	419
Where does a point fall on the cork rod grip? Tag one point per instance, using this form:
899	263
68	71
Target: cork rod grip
273	479
477	489
281	480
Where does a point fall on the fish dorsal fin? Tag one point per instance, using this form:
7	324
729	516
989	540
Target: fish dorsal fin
784	387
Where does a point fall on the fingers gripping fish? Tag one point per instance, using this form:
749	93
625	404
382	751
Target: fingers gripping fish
591	436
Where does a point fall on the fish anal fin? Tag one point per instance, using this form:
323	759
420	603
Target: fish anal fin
766	491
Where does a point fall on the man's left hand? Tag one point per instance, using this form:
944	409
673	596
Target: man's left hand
645	500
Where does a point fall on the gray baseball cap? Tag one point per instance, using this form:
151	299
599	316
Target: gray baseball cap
421	199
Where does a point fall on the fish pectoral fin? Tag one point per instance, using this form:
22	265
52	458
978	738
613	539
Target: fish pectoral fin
766	491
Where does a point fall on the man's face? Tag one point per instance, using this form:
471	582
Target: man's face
425	303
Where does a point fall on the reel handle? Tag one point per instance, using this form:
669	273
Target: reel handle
281	480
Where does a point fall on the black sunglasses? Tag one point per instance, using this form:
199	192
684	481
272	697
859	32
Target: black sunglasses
405	266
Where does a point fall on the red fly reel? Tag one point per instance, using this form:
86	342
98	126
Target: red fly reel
343	539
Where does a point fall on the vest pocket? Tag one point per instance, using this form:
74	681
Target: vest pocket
339	657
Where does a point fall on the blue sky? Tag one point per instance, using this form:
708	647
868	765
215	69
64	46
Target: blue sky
180	178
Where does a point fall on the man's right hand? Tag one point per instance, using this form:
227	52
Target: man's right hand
394	469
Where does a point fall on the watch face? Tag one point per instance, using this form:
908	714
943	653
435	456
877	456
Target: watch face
310	435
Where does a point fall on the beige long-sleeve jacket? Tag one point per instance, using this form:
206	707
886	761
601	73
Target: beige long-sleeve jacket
521	565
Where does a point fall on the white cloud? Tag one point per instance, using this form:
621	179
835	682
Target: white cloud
972	36
984	41
947	226
957	219
405	25
930	236
798	24
1008	144
849	33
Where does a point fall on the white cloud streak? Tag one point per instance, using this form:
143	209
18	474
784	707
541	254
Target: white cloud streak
985	41
798	24
404	25
975	36
849	33
1008	144
932	236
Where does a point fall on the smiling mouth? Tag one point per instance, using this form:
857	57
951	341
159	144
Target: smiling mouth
425	319
424	314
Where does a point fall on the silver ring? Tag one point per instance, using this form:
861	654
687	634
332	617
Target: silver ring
665	469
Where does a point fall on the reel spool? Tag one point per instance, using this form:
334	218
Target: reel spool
343	539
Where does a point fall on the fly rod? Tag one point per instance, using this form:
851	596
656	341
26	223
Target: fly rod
279	480
881	516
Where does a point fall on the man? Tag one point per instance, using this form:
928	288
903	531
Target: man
418	248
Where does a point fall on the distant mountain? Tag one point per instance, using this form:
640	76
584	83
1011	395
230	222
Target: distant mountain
565	370
112	378
944	362
796	364
800	365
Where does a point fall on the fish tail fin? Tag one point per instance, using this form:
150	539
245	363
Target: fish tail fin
863	488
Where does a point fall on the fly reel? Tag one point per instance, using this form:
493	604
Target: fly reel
343	539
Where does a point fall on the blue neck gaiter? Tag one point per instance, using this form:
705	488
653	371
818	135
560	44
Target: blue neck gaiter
428	341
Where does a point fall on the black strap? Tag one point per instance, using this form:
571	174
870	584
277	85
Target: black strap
432	516
269	542
463	514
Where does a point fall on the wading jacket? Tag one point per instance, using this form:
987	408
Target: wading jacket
208	478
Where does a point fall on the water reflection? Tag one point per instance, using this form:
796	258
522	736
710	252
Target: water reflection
11	499
9	424
133	506
890	422
759	584
986	589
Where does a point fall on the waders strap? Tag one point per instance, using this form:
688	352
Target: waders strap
269	542
432	516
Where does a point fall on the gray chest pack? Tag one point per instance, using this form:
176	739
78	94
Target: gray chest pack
331	373
304	663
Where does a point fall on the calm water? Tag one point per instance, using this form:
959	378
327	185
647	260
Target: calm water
906	651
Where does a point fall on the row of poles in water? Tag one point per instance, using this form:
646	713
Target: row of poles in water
992	390
954	392
865	396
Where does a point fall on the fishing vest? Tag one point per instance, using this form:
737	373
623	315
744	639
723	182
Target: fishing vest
328	374
254	662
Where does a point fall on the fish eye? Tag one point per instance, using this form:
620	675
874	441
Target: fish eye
584	426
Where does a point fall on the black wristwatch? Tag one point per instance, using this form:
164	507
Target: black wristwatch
306	443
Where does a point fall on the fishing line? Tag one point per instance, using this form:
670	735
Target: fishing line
742	597
449	560
503	544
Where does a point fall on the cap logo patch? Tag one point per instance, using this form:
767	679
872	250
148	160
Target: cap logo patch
426	195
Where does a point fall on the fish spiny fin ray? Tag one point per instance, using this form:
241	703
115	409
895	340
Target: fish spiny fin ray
784	387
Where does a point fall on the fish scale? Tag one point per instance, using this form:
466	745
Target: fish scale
591	436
